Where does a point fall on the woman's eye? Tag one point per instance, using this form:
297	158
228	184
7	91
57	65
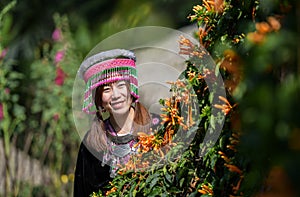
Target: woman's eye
106	89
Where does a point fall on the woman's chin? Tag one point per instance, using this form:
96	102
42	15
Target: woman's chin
120	111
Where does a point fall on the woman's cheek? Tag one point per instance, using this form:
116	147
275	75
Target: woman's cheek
106	105
106	98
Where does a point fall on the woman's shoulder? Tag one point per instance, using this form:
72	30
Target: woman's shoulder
87	151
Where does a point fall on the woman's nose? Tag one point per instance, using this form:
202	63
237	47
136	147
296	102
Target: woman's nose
115	93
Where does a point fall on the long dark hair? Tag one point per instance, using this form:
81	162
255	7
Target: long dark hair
96	138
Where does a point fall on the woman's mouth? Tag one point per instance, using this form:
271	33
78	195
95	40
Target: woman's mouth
117	105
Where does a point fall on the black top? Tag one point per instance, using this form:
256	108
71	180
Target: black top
90	175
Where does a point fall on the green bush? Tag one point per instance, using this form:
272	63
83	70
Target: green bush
254	45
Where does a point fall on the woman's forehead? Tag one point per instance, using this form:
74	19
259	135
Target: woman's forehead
116	82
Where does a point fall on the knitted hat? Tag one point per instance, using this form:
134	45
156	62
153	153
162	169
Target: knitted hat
107	67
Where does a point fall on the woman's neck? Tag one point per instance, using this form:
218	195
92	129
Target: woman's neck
123	123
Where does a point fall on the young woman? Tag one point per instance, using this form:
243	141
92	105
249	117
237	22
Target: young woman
112	94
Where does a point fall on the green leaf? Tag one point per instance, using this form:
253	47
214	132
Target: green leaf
155	192
181	182
154	182
213	121
133	191
168	177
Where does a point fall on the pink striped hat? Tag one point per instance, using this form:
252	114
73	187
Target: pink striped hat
106	67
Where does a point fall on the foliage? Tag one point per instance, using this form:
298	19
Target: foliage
12	115
254	44
90	21
41	129
248	43
274	79
37	73
50	119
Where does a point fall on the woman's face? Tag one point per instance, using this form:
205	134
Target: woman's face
116	97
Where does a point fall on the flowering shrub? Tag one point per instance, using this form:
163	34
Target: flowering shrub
39	120
12	114
254	45
242	37
51	118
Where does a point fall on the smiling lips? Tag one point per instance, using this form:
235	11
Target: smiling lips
117	105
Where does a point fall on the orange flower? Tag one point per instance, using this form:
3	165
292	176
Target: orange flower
238	185
193	182
186	46
171	118
263	27
178	83
190	121
256	37
202	32
200	77
223	156
206	190
202	191
232	64
209	5
233	168
226	159
231	60
274	23
219	6
112	190
226	108
231	148
191	75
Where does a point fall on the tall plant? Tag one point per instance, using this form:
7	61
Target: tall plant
40	124
12	115
243	38
51	132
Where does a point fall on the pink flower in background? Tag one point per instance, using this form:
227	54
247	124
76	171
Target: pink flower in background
155	121
60	76
1	112
7	90
57	35
3	53
59	56
56	116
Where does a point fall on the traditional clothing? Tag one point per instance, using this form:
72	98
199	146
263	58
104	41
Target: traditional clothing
93	174
94	168
107	67
90	175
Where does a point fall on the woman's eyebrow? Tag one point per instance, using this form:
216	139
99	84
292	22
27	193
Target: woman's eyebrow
121	82
107	85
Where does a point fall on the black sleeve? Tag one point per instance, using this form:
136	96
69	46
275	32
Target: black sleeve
90	175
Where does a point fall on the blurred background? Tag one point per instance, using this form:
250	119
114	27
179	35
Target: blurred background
42	44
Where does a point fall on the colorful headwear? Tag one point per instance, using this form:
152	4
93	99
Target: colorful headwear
106	67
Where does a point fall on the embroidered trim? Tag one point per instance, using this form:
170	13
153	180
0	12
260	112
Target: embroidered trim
117	154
